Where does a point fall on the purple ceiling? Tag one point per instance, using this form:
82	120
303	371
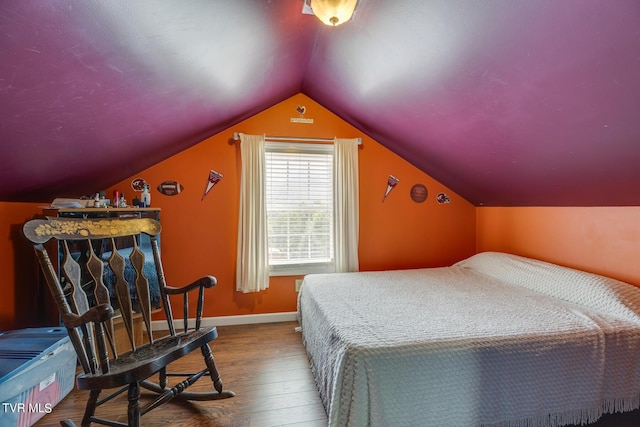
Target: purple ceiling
507	102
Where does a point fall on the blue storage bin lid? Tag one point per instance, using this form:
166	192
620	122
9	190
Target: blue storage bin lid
23	347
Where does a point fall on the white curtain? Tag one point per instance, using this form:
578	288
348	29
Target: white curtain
252	270
346	203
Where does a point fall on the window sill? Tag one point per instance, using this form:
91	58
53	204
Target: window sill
301	269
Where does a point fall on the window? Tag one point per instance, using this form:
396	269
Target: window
299	187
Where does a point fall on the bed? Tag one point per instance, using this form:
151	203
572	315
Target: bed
494	340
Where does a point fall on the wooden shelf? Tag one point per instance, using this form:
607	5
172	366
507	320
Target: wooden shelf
56	211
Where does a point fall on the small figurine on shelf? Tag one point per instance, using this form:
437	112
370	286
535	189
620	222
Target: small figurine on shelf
122	203
146	197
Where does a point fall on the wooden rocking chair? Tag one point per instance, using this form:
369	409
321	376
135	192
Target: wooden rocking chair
89	319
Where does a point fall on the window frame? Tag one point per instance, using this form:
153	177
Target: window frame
293	269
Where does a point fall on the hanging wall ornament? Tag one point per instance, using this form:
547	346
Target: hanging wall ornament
391	184
170	188
301	110
138	184
419	193
442	198
214	178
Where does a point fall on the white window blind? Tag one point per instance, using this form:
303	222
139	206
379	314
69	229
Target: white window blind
299	185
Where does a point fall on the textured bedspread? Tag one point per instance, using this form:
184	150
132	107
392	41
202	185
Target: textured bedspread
538	345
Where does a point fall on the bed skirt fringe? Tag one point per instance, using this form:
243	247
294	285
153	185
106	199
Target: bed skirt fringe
577	417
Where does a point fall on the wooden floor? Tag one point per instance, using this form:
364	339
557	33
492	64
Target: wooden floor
266	365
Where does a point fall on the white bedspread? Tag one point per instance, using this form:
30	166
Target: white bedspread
457	346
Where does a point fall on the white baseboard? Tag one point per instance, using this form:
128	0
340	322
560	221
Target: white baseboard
247	319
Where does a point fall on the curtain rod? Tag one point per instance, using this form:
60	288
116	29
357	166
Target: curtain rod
236	137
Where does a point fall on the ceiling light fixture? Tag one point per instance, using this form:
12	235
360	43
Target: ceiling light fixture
333	12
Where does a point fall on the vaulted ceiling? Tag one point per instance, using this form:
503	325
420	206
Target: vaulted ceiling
507	102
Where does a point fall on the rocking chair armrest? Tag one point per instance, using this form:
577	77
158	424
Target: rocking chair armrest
203	282
99	313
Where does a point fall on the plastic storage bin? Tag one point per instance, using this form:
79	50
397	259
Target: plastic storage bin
37	370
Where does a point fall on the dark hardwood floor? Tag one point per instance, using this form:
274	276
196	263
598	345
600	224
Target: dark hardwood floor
266	365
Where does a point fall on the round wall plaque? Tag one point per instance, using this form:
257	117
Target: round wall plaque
419	193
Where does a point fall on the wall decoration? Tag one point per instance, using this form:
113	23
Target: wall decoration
301	109
138	184
170	188
442	198
418	193
214	178
392	181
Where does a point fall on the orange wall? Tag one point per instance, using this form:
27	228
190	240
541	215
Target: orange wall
603	240
18	269
199	237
